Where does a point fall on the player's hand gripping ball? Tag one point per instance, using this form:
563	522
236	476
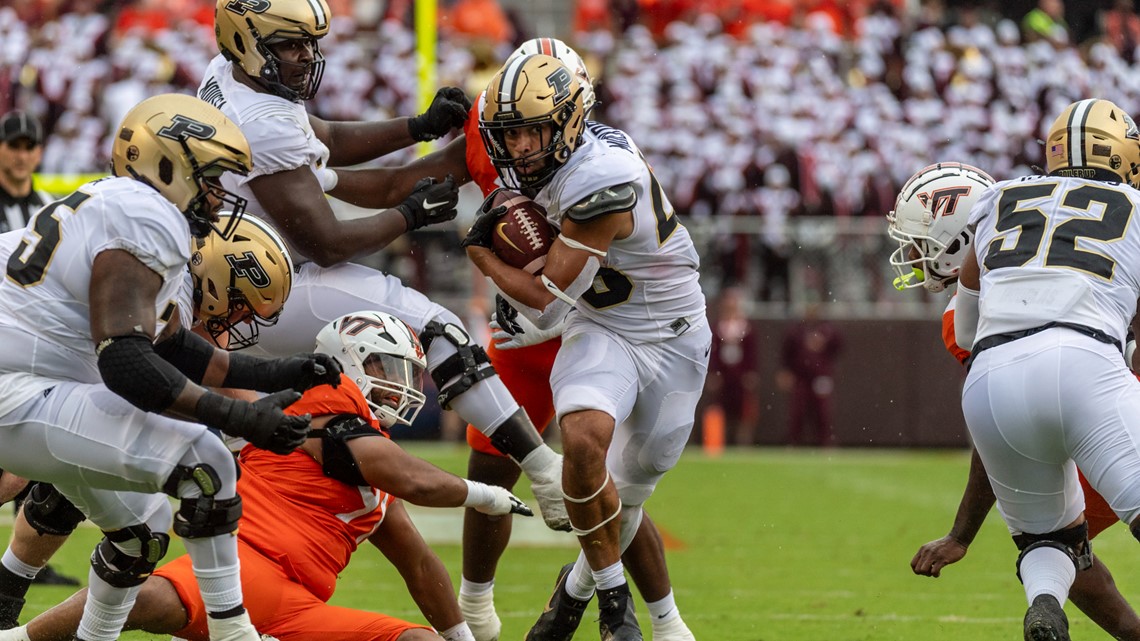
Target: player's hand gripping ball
521	236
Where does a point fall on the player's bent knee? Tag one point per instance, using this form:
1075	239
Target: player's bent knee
121	569
200	515
631	516
1074	542
49	512
463	369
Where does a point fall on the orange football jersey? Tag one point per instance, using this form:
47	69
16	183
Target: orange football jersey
304	521
478	162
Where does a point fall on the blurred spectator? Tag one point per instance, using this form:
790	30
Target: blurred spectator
1045	22
807	368
1121	27
777	202
478	20
21	148
734	368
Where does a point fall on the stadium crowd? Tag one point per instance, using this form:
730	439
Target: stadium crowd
771	109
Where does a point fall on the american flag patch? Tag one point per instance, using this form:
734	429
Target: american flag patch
1057	150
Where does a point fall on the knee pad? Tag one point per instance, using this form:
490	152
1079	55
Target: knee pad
630	522
49	512
1074	542
202	516
122	570
468	365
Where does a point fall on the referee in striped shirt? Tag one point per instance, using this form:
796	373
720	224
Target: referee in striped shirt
21	149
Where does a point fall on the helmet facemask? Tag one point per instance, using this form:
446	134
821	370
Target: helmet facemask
925	261
392	388
200	213
271	71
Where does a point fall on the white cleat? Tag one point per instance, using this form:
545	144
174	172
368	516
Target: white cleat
479	612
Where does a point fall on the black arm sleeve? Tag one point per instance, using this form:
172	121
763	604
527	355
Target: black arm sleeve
188	352
131	368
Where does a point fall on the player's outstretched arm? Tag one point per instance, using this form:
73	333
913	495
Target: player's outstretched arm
386	466
296	203
425	575
352	143
977	499
381	187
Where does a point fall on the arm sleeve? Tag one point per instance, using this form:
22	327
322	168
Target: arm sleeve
966	317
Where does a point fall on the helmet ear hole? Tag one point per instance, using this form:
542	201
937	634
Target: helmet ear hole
165	171
239	44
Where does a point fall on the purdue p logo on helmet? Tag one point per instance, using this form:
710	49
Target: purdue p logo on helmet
245	29
180	146
535	90
1094	139
247	277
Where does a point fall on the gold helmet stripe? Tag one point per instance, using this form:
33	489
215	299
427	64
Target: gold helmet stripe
319	14
509	84
1078	117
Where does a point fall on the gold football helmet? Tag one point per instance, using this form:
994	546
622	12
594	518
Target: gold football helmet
241	283
530	91
1094	139
181	146
245	29
569	57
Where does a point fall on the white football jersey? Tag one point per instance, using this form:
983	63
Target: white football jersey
278	132
45	323
647	288
1057	249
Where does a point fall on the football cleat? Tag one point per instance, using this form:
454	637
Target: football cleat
561	615
50	576
1045	620
479	612
616	619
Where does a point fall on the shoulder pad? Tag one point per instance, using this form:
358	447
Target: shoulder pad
610	200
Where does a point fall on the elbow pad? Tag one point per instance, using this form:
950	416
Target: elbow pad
131	368
966	317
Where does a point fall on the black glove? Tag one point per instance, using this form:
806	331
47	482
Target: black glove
447	110
262	423
507	316
430	203
484	225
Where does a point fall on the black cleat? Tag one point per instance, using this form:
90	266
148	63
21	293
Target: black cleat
49	576
562	614
616	620
1045	620
10	608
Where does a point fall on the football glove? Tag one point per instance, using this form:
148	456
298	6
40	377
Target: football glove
484	226
300	372
262	423
447	111
431	202
512	330
494	500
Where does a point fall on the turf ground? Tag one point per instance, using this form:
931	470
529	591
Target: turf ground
767	545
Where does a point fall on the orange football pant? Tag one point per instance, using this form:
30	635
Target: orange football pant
280	607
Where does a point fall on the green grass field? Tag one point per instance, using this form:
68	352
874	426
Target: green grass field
776	545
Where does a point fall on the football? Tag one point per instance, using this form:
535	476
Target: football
522	236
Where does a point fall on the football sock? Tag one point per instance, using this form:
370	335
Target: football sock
663	610
15	576
1047	570
610	577
580	582
470	588
105	612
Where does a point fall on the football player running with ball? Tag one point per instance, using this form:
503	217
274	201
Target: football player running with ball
102	382
306	512
524	356
270	62
623	277
929	225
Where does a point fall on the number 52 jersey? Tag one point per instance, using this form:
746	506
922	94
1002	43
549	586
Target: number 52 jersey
1057	249
45	321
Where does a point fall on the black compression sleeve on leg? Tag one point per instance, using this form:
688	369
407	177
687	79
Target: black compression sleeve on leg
516	437
131	369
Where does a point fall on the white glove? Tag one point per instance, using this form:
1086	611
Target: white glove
494	500
512	330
